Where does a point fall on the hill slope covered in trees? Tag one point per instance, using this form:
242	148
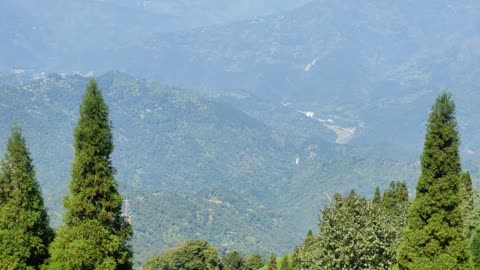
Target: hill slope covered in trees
194	165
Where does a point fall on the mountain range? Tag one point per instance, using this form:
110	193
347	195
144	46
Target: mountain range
358	63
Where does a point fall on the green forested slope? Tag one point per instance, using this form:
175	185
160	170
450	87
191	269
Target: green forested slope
195	165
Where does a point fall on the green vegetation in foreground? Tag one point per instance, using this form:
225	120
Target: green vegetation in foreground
254	262
95	234
272	262
356	233
191	255
385	232
25	232
434	237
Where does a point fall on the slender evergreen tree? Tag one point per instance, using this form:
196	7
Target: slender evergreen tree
434	237
95	234
285	264
377	197
25	232
272	262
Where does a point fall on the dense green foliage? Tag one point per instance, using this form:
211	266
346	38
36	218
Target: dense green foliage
272	262
395	197
285	263
95	233
25	233
254	262
377	196
475	248
296	260
191	255
434	237
305	254
233	261
197	254
474	237
354	236
470	215
356	233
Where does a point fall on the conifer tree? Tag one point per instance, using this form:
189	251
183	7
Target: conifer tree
434	237
95	234
466	193
377	197
296	258
285	265
307	253
272	263
233	261
254	262
475	248
310	238
395	197
25	232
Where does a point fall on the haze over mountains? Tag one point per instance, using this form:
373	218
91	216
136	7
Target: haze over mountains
275	90
60	35
340	59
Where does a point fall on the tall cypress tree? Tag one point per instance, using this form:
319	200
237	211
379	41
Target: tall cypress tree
434	237
25	232
95	234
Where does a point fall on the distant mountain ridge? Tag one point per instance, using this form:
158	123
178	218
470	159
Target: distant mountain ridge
58	36
364	63
368	62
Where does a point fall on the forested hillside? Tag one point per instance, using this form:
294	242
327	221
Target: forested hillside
237	123
221	173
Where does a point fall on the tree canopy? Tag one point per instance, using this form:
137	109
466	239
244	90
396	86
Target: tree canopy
95	234
25	233
434	237
191	255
